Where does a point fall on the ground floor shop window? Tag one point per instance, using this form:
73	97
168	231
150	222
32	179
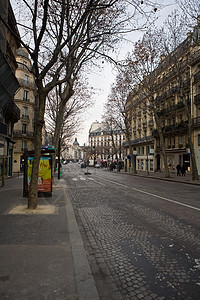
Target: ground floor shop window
142	164
151	165
138	164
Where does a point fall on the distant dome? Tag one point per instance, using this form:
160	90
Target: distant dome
76	142
22	52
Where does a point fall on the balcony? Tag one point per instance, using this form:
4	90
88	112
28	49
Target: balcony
195	58
26	99
178	127
19	133
196	122
197	99
169	128
25	117
3	128
172	108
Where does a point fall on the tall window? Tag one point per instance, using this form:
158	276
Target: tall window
26	95
181	140
24	128
26	78
142	149
25	112
24	65
24	145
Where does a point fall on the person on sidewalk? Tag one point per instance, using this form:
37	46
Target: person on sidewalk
183	170
178	168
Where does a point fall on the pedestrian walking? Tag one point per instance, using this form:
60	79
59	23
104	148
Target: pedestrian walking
183	170
178	168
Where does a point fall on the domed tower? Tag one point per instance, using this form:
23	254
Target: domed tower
76	143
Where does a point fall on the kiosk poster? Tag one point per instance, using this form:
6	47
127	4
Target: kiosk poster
44	173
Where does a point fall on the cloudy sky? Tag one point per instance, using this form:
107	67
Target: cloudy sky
102	79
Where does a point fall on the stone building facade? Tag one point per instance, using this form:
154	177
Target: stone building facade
74	152
9	112
26	100
176	91
101	140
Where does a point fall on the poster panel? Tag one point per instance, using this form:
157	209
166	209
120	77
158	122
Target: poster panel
44	173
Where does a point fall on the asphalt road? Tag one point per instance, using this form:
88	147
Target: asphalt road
142	235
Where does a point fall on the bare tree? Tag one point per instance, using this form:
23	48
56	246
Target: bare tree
144	61
111	129
118	108
64	125
190	11
61	37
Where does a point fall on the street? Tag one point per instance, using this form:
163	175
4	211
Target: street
141	235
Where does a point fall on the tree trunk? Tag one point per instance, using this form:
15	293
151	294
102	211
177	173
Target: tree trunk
163	153
162	144
33	190
133	166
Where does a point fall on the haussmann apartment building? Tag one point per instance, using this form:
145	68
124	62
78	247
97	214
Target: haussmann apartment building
145	139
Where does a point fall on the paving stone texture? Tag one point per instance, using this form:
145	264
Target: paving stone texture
135	251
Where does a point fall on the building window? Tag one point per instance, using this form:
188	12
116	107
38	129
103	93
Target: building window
24	128
26	78
151	164
24	145
198	139
142	150
26	95
142	164
147	150
25	112
24	65
9	128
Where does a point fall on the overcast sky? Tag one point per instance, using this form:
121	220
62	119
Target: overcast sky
102	79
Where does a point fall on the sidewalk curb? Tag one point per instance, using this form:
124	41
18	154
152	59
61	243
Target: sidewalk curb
86	287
